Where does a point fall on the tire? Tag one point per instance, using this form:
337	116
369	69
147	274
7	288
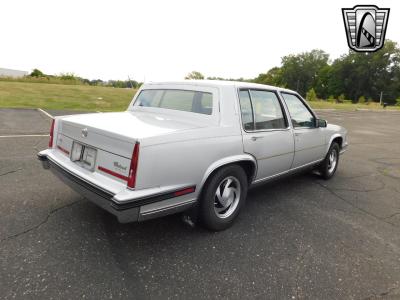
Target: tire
329	165
223	196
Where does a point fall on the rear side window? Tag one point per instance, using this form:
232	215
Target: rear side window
261	110
183	100
247	110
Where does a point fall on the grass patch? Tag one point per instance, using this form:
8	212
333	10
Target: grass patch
61	96
349	106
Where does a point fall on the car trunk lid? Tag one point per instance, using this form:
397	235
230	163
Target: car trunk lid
118	132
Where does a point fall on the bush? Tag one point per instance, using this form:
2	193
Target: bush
340	99
67	76
361	100
398	102
331	99
311	95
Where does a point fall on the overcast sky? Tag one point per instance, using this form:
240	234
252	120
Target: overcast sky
164	40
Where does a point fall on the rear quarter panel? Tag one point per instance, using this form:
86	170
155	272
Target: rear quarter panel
185	160
186	157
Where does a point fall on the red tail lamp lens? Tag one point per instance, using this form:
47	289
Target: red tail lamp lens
133	167
51	134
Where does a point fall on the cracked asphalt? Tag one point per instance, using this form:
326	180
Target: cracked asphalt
297	238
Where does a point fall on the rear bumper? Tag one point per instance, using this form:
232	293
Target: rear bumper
140	208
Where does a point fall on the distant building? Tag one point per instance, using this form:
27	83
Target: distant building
12	73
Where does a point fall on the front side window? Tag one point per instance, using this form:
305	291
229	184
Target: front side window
183	100
261	110
299	113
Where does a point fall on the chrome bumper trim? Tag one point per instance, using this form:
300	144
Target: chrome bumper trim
126	212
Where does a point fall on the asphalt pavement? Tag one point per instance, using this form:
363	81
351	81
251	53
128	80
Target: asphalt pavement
297	238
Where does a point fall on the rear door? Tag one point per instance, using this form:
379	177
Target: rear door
309	139
266	132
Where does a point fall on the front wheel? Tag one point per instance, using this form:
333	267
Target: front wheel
330	163
223	197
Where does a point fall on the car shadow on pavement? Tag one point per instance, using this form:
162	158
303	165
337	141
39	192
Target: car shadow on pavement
265	195
153	252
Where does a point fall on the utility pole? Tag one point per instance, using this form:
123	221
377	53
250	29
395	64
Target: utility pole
130	81
380	99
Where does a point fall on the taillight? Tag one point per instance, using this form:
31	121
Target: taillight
51	134
133	167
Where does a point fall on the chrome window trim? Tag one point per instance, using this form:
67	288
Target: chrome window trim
305	104
213	113
283	109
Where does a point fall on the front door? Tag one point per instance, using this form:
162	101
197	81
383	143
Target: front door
266	132
309	139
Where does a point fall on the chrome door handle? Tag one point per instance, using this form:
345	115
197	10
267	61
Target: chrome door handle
297	133
255	138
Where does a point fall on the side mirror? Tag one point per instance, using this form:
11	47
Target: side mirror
321	123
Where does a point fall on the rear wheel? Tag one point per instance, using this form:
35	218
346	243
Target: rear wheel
223	197
330	163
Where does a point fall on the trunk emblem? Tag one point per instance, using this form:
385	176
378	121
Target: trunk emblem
84	132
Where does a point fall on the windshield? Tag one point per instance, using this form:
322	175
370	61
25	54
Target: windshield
183	100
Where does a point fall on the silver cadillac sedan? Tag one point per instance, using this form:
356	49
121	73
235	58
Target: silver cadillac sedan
191	146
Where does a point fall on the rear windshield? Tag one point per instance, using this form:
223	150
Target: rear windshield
190	101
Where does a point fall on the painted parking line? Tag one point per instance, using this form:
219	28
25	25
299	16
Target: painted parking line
23	135
46	113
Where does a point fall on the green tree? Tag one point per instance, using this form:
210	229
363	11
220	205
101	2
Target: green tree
367	74
301	72
194	75
37	73
272	77
321	83
353	74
